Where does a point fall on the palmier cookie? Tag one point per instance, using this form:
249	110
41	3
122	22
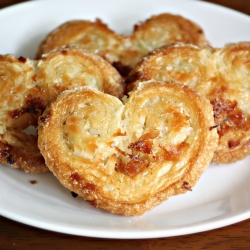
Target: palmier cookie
221	75
124	51
128	158
27	87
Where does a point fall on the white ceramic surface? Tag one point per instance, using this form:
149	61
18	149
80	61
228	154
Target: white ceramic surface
222	195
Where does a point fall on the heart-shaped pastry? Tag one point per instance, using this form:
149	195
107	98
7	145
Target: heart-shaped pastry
124	50
128	158
28	86
221	75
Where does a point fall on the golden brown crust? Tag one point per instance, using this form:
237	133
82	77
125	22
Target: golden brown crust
21	103
28	86
160	30
221	75
127	50
71	67
19	150
94	35
155	145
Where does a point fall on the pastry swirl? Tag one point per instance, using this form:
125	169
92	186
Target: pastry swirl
128	158
28	86
221	75
121	50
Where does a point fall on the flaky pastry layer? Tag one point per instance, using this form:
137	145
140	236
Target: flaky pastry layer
28	86
221	75
156	31
128	157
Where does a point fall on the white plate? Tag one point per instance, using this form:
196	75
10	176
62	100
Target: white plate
221	197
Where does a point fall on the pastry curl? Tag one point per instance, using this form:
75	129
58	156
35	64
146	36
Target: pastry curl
128	158
71	67
26	89
92	36
221	75
124	51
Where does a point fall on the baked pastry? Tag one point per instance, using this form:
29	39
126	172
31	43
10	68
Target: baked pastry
124	51
21	102
128	158
27	87
221	75
71	67
93	36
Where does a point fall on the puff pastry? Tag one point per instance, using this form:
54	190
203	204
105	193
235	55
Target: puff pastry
28	86
128	158
221	75
124	51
